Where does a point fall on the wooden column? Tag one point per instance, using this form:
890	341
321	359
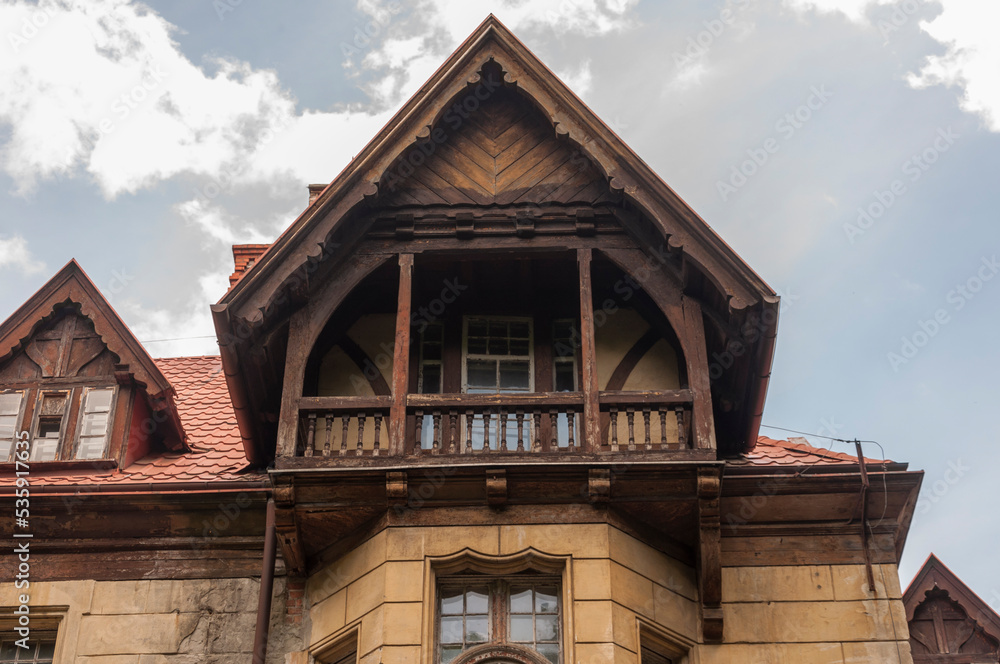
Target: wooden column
295	370
401	358
696	350
588	353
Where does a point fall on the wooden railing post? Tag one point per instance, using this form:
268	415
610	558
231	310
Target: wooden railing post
588	352
401	358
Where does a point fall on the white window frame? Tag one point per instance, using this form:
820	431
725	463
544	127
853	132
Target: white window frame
570	360
78	435
530	357
18	418
37	419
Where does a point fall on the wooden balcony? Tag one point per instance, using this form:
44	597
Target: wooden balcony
495	425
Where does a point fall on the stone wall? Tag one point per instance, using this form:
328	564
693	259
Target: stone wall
821	614
198	621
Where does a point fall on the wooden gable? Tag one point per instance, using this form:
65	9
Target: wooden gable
947	621
497	151
67	334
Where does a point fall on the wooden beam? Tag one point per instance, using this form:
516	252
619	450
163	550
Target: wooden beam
588	351
401	358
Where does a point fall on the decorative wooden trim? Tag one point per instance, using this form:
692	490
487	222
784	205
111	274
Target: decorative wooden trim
401	358
295	375
287	528
588	349
710	554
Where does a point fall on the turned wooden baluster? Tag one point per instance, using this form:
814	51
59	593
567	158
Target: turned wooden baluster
378	431
536	445
329	434
343	438
418	431
520	430
453	417
486	431
614	429
630	417
503	430
663	427
554	426
648	434
435	445
362	418
571	425
681	426
469	417
310	434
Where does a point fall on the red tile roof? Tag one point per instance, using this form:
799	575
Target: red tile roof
207	414
795	452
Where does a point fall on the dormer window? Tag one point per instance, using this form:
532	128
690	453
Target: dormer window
95	417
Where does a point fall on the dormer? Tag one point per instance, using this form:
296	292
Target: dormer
497	272
76	384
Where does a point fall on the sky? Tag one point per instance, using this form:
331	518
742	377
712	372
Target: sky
848	150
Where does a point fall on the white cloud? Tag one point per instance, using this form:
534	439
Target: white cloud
14	254
101	85
965	27
968	28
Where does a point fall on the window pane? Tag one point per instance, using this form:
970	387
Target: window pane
519	347
433	332
520	329
515	375
432	351
53	404
498	328
549	651
546	601
451	602
94	424
520	602
46	649
91	448
7	423
477	629
98	400
448	653
8	651
565	377
44	449
477	345
546	628
482	374
477	601
522	628
5	446
431	382
498	347
451	629
478	327
10	403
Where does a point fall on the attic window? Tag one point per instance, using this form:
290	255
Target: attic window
94	419
49	427
10	409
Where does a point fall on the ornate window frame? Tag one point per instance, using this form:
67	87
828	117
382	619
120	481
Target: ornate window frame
527	560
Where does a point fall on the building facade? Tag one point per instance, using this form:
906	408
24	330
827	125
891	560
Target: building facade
495	396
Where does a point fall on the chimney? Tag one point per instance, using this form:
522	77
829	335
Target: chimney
315	190
244	256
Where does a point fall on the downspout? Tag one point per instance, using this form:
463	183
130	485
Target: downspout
266	587
234	381
762	374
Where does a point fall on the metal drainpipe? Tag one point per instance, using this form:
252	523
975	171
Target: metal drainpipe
266	588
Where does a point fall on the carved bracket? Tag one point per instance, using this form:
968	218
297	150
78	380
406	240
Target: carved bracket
599	485
397	489
710	553
496	488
